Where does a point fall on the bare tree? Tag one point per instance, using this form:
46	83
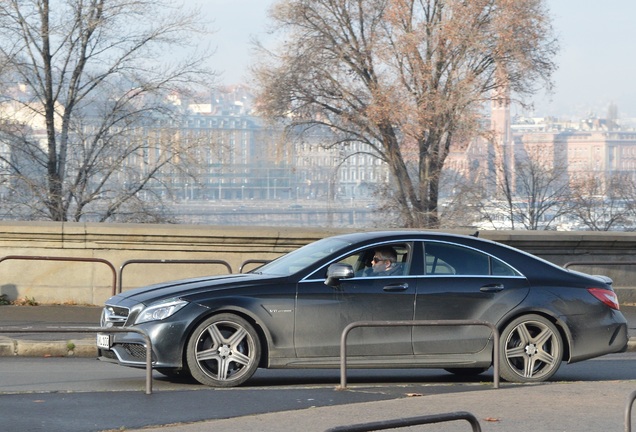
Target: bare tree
531	195
604	204
404	77
82	79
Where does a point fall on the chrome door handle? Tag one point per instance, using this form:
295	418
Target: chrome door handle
396	287
492	288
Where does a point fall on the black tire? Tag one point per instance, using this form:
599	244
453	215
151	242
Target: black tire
531	350
223	351
466	372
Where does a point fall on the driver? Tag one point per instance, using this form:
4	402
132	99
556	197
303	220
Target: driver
384	262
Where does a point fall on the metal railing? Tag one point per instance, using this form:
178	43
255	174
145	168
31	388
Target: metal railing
628	411
411	421
70	259
252	261
598	263
347	329
168	261
94	330
117	280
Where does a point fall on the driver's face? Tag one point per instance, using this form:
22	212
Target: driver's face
379	264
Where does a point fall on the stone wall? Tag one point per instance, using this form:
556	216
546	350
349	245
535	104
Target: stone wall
37	258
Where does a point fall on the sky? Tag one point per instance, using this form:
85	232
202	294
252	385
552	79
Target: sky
597	61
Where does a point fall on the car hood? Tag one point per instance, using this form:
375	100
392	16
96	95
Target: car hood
189	288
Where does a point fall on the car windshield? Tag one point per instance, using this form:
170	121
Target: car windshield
301	258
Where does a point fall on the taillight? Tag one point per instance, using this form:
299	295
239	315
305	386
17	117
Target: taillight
606	296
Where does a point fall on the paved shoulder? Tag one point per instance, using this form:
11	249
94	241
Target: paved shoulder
547	406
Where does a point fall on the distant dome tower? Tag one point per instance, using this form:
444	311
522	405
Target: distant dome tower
502	142
612	117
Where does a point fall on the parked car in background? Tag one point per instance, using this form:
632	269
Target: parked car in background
291	312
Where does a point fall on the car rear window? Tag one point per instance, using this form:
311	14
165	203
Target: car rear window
452	259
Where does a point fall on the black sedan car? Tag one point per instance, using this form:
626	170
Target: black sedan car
291	312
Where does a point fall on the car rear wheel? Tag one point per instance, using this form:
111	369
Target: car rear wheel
531	350
224	351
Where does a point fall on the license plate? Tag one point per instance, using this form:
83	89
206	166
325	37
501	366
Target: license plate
103	341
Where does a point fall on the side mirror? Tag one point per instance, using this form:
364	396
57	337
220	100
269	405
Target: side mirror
335	272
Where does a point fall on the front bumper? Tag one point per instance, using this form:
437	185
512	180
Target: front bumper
131	353
129	349
168	339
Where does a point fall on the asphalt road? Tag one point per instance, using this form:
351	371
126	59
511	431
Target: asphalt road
82	394
74	394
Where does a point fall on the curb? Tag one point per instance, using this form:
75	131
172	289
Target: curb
29	348
87	348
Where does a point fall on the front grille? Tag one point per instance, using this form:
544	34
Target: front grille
114	316
135	350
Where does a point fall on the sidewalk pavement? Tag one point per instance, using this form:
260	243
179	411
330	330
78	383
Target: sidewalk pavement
83	344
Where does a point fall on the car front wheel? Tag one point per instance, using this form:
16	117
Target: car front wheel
224	351
531	350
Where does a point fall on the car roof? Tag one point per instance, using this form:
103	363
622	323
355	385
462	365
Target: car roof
402	233
513	255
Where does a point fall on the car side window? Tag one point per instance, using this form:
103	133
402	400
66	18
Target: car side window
436	265
362	264
499	268
450	259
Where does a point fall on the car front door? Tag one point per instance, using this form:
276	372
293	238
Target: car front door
323	312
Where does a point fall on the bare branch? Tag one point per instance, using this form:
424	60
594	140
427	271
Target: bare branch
402	77
90	72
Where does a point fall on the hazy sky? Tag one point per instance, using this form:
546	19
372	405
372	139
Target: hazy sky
597	61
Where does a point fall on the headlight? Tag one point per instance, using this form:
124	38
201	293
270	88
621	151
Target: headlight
159	311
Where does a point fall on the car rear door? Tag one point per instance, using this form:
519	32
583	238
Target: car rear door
462	283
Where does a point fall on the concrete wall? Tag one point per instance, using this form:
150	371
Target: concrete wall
87	282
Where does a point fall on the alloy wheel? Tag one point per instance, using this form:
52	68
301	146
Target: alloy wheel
532	350
224	351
